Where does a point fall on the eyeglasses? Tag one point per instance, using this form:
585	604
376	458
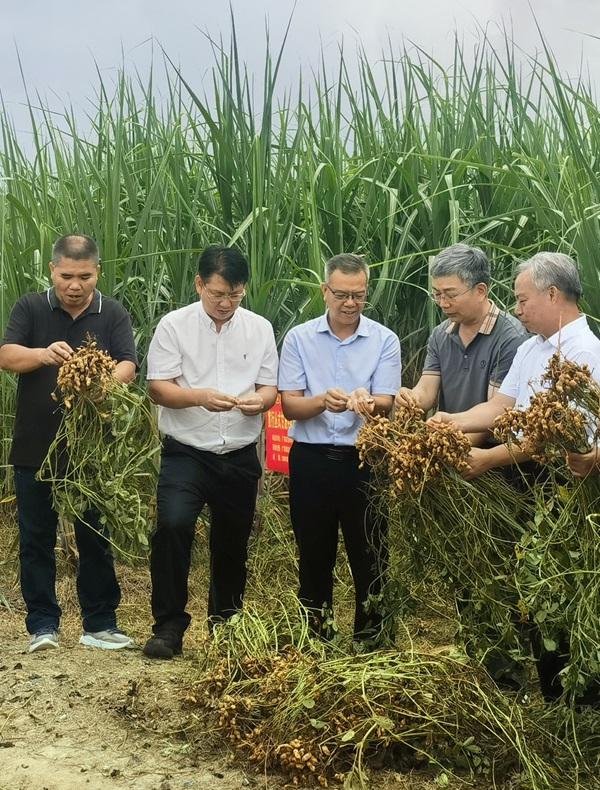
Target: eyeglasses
346	296
234	298
438	297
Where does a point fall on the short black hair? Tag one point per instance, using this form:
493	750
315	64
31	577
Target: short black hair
76	247
227	262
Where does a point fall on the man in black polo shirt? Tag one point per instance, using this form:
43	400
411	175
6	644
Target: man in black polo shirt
43	331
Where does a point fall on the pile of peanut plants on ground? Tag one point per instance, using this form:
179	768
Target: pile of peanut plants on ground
323	716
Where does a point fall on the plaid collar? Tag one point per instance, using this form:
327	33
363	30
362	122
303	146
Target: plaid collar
488	323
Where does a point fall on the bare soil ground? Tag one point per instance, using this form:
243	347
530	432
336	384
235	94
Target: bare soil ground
61	725
78	717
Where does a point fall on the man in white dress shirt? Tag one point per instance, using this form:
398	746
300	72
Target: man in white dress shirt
212	369
547	290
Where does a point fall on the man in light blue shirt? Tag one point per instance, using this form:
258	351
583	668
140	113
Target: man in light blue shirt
334	369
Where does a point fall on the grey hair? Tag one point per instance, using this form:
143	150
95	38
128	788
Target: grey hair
470	264
347	263
553	268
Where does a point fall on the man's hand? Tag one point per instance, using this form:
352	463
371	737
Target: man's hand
124	371
213	400
584	464
405	397
335	400
56	353
440	417
361	401
479	463
251	405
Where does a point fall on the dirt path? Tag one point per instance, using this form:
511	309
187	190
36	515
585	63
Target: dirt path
60	726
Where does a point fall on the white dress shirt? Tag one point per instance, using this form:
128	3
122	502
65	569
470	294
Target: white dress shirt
576	342
187	349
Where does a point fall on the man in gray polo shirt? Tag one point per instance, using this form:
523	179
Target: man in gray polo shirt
470	353
468	356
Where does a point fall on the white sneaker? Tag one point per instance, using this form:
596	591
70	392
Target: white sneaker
43	640
111	639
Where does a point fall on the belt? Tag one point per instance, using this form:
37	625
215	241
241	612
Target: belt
239	451
334	452
230	454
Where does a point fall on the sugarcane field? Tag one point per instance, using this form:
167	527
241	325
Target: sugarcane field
485	569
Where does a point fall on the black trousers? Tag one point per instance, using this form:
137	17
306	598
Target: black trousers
328	491
188	480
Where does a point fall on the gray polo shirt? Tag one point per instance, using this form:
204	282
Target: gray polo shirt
467	372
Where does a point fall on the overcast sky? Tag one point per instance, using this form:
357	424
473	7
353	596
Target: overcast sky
61	42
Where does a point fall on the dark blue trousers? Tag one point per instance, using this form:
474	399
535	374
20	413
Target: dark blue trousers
97	586
190	479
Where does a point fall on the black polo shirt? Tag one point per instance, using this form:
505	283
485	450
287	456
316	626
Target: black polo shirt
36	321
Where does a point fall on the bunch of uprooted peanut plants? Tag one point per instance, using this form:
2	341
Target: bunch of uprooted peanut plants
104	455
519	550
561	416
408	452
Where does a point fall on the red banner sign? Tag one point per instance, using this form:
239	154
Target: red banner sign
276	439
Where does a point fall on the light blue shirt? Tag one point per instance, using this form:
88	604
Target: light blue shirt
313	359
576	342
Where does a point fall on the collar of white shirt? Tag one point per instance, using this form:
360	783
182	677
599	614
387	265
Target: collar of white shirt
209	323
566	332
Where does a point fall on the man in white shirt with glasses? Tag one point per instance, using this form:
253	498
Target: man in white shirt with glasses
212	370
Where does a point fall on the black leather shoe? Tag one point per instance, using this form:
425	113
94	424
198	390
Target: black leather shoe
163	645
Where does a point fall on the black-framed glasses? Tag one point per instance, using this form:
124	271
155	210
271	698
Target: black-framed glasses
234	298
438	296
346	296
